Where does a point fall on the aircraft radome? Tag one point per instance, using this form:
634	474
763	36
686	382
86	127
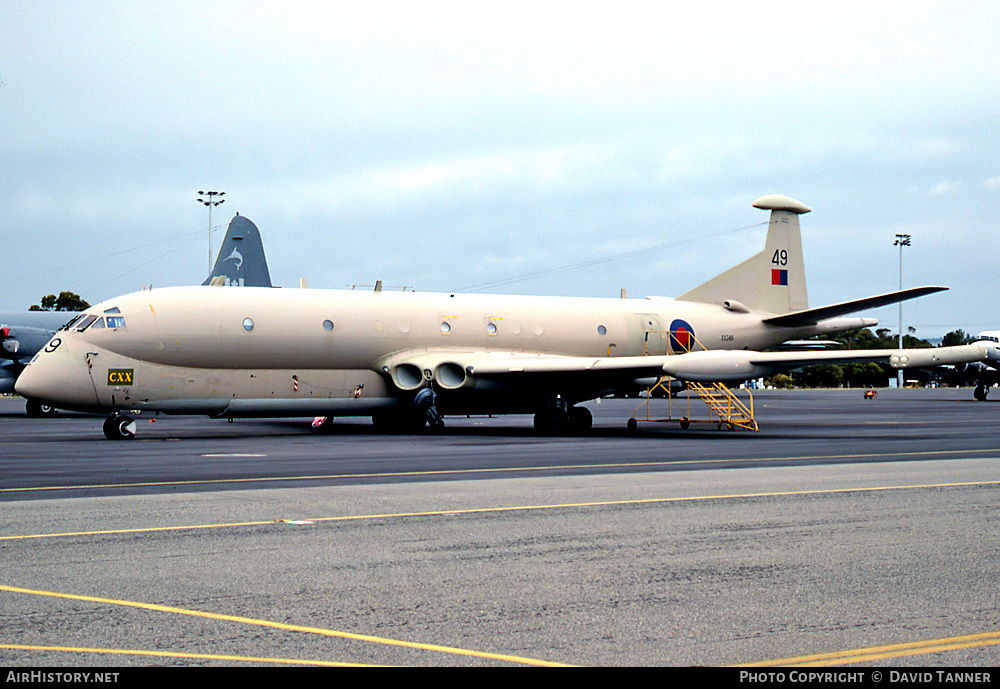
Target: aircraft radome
407	358
241	262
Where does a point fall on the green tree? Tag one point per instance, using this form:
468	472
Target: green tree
956	337
829	376
66	301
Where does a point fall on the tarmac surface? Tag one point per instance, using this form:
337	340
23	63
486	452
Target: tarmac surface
847	531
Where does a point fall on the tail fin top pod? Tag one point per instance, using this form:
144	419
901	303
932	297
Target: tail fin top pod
241	259
773	280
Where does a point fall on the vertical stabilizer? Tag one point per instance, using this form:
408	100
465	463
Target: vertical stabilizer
773	280
241	259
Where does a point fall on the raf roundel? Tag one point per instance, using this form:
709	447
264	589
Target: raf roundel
681	336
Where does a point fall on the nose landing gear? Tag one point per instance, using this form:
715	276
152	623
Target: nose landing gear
119	427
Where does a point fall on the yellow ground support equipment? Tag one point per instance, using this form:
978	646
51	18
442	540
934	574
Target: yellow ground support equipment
725	409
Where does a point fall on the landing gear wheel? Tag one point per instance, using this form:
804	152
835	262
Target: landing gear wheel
632	425
545	421
685	424
555	421
36	408
119	427
981	392
580	419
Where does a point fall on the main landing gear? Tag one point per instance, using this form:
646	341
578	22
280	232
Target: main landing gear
558	420
411	418
981	392
119	427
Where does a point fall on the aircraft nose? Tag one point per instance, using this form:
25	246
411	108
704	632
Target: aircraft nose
57	380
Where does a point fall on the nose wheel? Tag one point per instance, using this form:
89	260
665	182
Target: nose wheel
119	427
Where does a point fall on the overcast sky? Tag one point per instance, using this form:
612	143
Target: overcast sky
480	146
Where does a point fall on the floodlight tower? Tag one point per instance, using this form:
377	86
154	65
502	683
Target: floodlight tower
901	241
210	202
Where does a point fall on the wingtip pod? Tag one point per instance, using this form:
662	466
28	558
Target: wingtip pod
778	202
937	356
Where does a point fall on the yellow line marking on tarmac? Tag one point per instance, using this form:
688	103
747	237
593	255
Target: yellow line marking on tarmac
866	655
289	627
171	654
496	470
510	508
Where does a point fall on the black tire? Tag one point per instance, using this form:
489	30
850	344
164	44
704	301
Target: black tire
35	408
580	419
119	427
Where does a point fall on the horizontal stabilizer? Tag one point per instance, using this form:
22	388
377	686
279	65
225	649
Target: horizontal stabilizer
799	319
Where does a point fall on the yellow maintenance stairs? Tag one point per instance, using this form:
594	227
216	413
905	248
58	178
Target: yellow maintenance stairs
725	409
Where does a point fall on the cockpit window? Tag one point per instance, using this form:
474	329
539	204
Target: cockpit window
115	321
98	324
85	323
113	309
73	320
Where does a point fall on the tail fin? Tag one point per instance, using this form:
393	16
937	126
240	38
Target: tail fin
241	259
773	280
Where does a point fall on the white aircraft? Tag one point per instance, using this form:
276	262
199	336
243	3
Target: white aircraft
408	359
984	372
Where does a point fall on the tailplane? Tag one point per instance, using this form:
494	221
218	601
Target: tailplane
241	259
773	280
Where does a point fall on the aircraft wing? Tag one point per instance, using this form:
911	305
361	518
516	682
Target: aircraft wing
813	316
454	369
897	358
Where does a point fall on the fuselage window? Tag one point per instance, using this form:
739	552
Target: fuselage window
327	325
115	321
601	330
85	323
98	324
248	324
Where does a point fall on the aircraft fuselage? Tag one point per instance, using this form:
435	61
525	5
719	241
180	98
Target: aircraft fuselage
258	351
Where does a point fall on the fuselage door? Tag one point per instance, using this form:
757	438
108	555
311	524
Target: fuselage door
656	337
